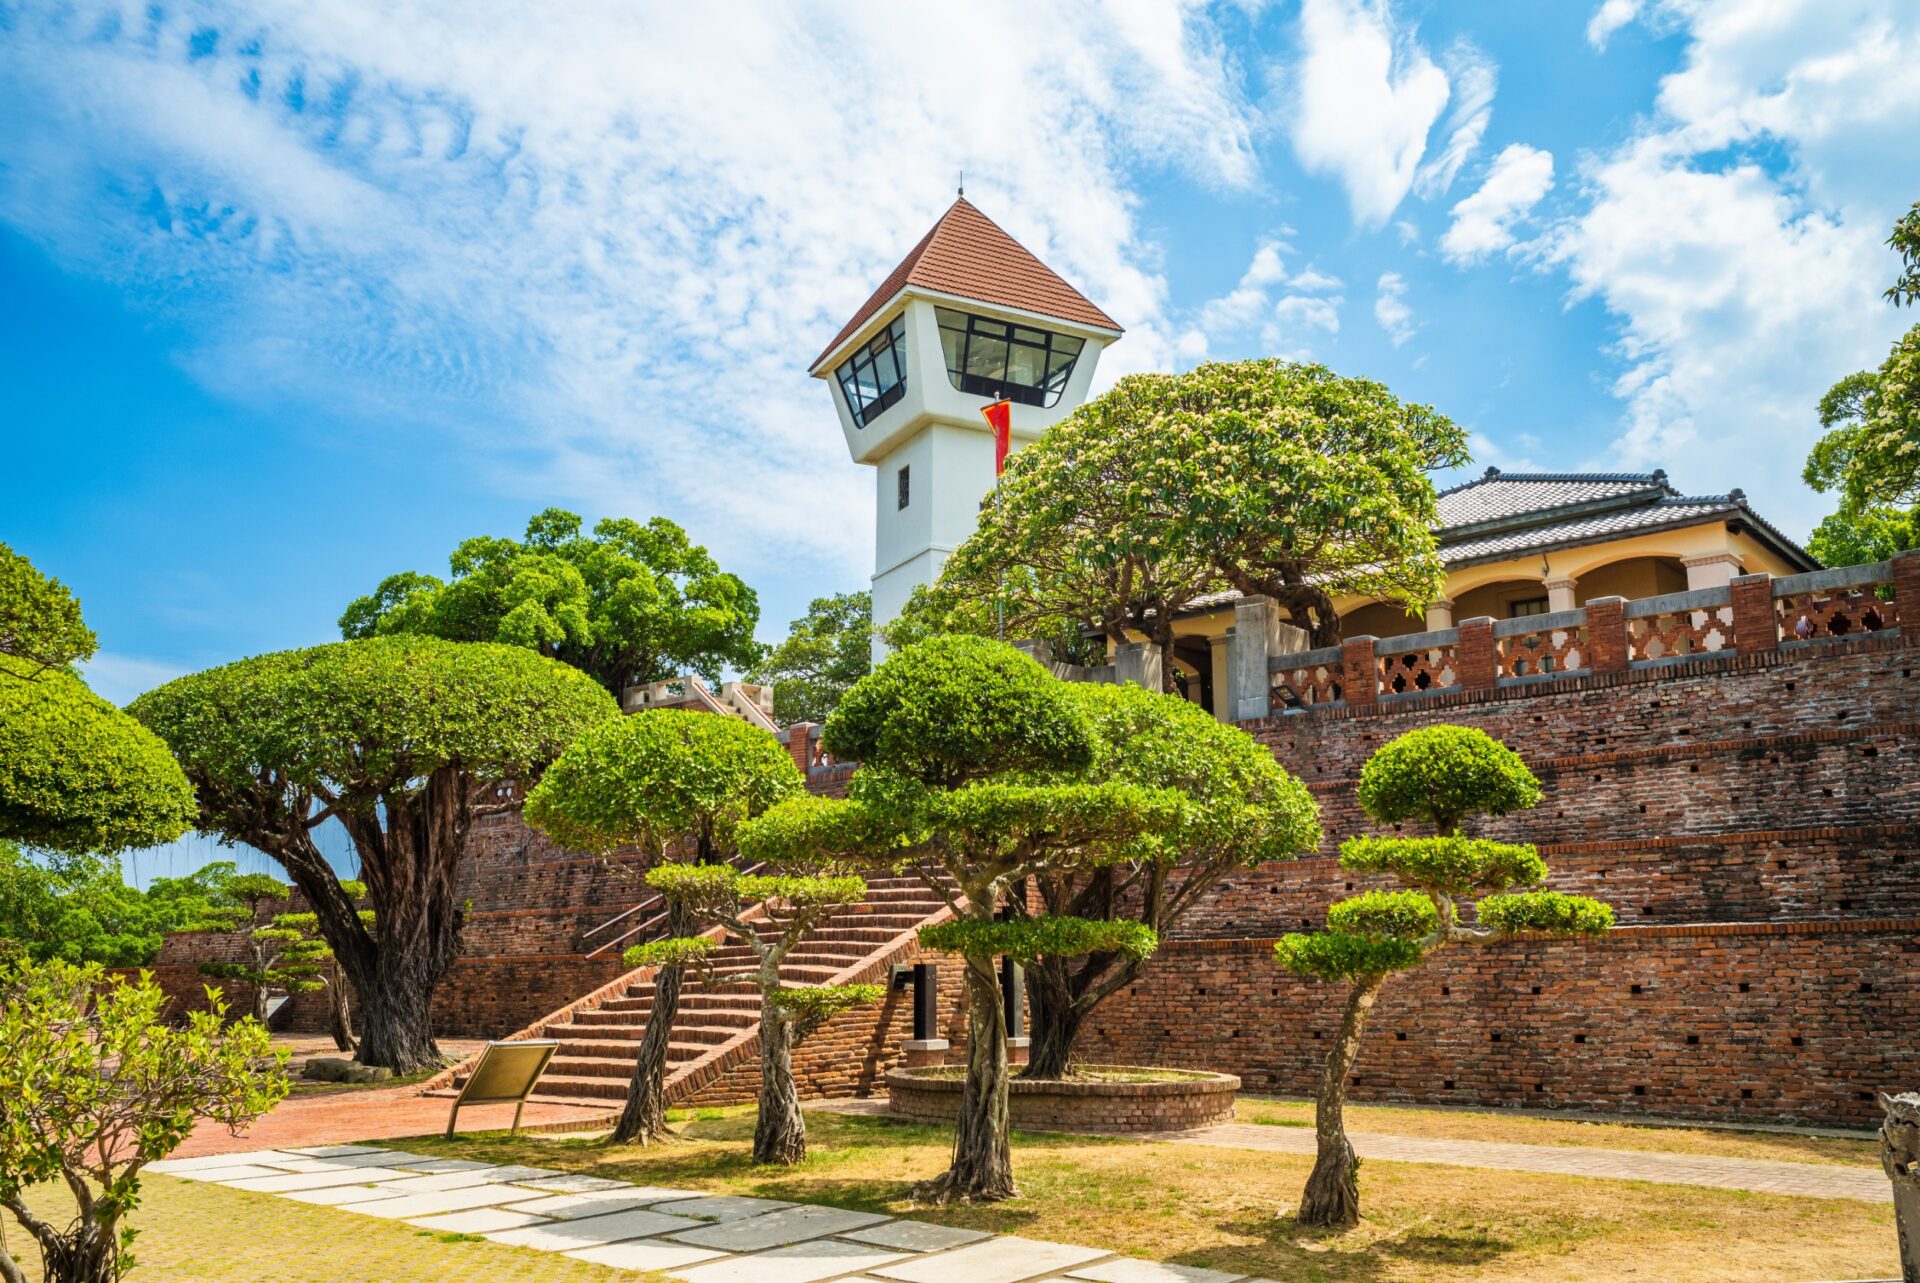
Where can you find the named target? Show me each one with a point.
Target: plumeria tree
(407, 742)
(1441, 776)
(1270, 477)
(770, 914)
(1240, 810)
(94, 1085)
(677, 784)
(955, 737)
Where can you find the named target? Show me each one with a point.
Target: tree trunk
(644, 1117)
(89, 1254)
(339, 1017)
(1900, 1157)
(1053, 1019)
(780, 1134)
(396, 1014)
(1332, 1197)
(982, 1169)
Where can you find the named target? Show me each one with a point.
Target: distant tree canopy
(79, 909)
(629, 603)
(1869, 534)
(827, 650)
(1274, 478)
(1871, 450)
(40, 624)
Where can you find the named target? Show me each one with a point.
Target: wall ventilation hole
(1745, 987)
(1399, 1037)
(1539, 1087)
(1869, 751)
(1826, 792)
(1638, 989)
(1866, 987)
(1866, 1095)
(1536, 988)
(1693, 769)
(1495, 1037)
(1846, 905)
(1693, 1040)
(1746, 1093)
(1448, 1084)
(1639, 1091)
(1798, 1041)
(1444, 991)
(1579, 1037)
(1782, 864)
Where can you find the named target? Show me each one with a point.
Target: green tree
(277, 957)
(1440, 776)
(677, 784)
(827, 650)
(629, 603)
(1273, 478)
(40, 623)
(932, 728)
(94, 1085)
(406, 741)
(792, 904)
(78, 908)
(1870, 452)
(313, 948)
(1240, 810)
(1855, 537)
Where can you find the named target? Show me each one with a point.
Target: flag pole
(999, 417)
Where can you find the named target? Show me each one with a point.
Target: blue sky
(296, 296)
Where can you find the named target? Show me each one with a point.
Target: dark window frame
(905, 484)
(1527, 607)
(869, 400)
(1056, 359)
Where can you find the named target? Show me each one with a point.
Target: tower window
(905, 488)
(875, 377)
(996, 359)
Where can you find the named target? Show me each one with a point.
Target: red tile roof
(966, 254)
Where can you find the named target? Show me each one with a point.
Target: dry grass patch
(1218, 1207)
(1497, 1125)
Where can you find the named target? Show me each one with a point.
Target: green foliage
(659, 776)
(955, 709)
(1024, 939)
(1332, 955)
(1276, 478)
(362, 725)
(95, 1084)
(1403, 915)
(252, 888)
(951, 606)
(816, 1004)
(77, 774)
(1454, 866)
(827, 650)
(1905, 241)
(40, 623)
(1099, 823)
(630, 603)
(809, 830)
(1242, 808)
(1852, 538)
(675, 951)
(79, 909)
(1547, 911)
(12, 955)
(1442, 775)
(801, 892)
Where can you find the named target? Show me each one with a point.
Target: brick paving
(1765, 1176)
(380, 1113)
(680, 1233)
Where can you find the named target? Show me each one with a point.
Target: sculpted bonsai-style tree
(1144, 499)
(407, 741)
(277, 957)
(1241, 810)
(313, 948)
(94, 1085)
(1442, 776)
(956, 738)
(628, 603)
(677, 784)
(770, 914)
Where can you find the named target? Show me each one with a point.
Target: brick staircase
(718, 1027)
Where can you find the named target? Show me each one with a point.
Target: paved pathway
(1812, 1180)
(377, 1113)
(682, 1233)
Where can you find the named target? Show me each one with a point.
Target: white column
(1715, 570)
(1439, 614)
(1560, 594)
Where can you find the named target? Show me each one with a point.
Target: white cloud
(1483, 222)
(1277, 306)
(1366, 95)
(1475, 77)
(1609, 18)
(1390, 307)
(596, 246)
(1737, 239)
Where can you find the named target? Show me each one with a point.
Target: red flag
(999, 417)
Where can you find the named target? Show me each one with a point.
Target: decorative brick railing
(1753, 615)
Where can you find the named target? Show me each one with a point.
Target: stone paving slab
(795, 1263)
(434, 1183)
(342, 1195)
(349, 1163)
(916, 1236)
(207, 1162)
(1131, 1271)
(292, 1182)
(449, 1200)
(481, 1220)
(645, 1255)
(572, 1184)
(565, 1236)
(1763, 1175)
(244, 1171)
(997, 1260)
(573, 1207)
(440, 1166)
(721, 1207)
(778, 1229)
(334, 1151)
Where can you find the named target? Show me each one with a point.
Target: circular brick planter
(1181, 1100)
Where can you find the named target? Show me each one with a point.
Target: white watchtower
(969, 317)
